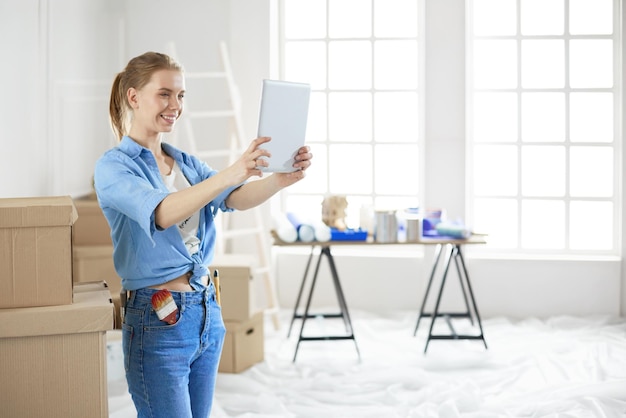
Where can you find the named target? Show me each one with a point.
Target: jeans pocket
(152, 321)
(127, 340)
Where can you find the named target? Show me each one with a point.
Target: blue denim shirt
(129, 188)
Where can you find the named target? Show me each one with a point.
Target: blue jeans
(171, 369)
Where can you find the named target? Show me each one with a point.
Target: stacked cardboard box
(93, 249)
(52, 331)
(36, 251)
(242, 313)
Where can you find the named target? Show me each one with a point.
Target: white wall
(58, 68)
(60, 72)
(23, 110)
(55, 125)
(623, 118)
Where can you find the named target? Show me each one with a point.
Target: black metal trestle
(343, 306)
(453, 252)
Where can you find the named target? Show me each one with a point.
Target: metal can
(386, 226)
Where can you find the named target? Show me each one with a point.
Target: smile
(169, 118)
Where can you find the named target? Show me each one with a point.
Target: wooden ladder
(227, 232)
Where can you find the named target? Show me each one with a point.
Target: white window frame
(467, 211)
(617, 143)
(354, 211)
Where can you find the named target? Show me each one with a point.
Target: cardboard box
(36, 251)
(91, 228)
(94, 263)
(244, 345)
(117, 321)
(53, 359)
(238, 287)
(92, 287)
(114, 294)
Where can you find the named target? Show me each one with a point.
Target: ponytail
(117, 108)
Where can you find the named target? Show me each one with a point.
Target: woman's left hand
(254, 193)
(302, 163)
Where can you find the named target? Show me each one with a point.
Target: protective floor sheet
(558, 367)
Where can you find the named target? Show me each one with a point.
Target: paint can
(386, 226)
(413, 221)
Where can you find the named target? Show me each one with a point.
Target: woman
(160, 203)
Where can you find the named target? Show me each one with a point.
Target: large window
(543, 103)
(543, 124)
(361, 58)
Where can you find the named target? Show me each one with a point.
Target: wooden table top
(474, 239)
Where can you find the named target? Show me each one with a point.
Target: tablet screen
(283, 117)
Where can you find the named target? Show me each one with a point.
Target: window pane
(543, 117)
(591, 117)
(550, 138)
(396, 169)
(543, 63)
(495, 64)
(395, 18)
(499, 219)
(350, 117)
(349, 19)
(596, 235)
(591, 17)
(542, 17)
(306, 62)
(495, 117)
(543, 171)
(305, 19)
(396, 117)
(543, 224)
(591, 171)
(395, 64)
(494, 17)
(495, 170)
(591, 63)
(344, 178)
(350, 65)
(339, 46)
(316, 123)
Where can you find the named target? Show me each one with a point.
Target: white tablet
(283, 116)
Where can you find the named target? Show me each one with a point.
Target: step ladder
(237, 143)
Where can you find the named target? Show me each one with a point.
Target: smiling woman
(159, 104)
(150, 74)
(160, 203)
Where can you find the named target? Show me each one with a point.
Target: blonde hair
(137, 74)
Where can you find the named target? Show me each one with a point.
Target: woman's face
(158, 105)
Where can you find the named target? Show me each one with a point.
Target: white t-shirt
(188, 228)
